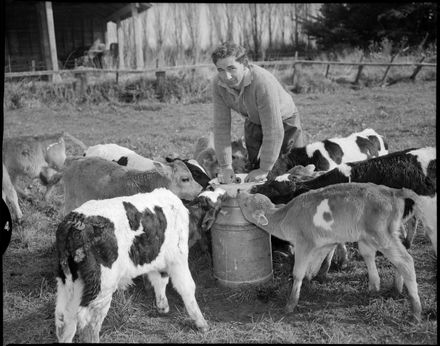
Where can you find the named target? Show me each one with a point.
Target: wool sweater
(264, 101)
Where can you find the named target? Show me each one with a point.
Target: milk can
(241, 252)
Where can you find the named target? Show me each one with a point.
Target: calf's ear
(261, 218)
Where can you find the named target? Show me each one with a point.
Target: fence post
(80, 85)
(382, 83)
(33, 65)
(417, 69)
(294, 67)
(326, 70)
(360, 68)
(160, 84)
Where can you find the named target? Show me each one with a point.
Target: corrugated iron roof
(109, 11)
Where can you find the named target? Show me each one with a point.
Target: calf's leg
(302, 259)
(66, 309)
(404, 263)
(369, 253)
(185, 286)
(10, 195)
(159, 282)
(91, 318)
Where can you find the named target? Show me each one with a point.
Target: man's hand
(226, 175)
(256, 175)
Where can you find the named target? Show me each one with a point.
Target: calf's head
(182, 181)
(204, 209)
(208, 161)
(254, 207)
(56, 154)
(239, 156)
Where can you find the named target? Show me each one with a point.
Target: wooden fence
(81, 73)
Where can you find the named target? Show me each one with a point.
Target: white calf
(314, 222)
(123, 156)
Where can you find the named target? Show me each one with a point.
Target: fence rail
(190, 67)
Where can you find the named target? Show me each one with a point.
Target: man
(272, 123)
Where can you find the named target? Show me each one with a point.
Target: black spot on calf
(376, 143)
(133, 215)
(146, 246)
(123, 161)
(84, 243)
(409, 205)
(44, 179)
(432, 170)
(334, 151)
(327, 216)
(320, 162)
(368, 147)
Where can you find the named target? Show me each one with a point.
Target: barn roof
(108, 11)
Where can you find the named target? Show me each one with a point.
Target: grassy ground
(338, 311)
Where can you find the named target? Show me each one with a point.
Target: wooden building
(41, 35)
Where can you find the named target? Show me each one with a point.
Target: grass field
(337, 311)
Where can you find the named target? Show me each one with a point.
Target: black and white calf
(414, 169)
(123, 156)
(104, 244)
(203, 211)
(197, 171)
(330, 153)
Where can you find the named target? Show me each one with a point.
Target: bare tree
(217, 20)
(145, 45)
(271, 12)
(160, 29)
(177, 33)
(257, 25)
(244, 23)
(230, 12)
(191, 13)
(297, 14)
(282, 22)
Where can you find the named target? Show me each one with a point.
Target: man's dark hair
(227, 49)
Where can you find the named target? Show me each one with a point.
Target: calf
(34, 157)
(198, 172)
(414, 169)
(104, 244)
(328, 154)
(123, 156)
(203, 211)
(87, 178)
(204, 154)
(9, 195)
(314, 222)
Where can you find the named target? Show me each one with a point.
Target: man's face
(230, 71)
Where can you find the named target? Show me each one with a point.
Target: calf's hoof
(416, 317)
(202, 326)
(321, 278)
(289, 308)
(163, 309)
(162, 306)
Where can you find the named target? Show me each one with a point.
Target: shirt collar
(247, 79)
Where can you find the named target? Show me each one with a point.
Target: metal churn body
(241, 252)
